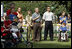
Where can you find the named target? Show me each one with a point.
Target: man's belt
(37, 21)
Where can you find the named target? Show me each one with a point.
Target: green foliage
(56, 6)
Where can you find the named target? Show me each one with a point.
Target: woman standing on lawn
(29, 25)
(20, 19)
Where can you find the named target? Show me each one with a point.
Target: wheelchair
(63, 36)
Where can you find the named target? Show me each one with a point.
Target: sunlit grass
(48, 44)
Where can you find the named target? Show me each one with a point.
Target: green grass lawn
(49, 44)
(52, 44)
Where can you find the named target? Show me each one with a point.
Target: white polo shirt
(48, 16)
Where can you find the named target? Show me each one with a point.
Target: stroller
(6, 37)
(10, 38)
(16, 29)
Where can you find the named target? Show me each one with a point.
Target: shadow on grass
(51, 45)
(48, 44)
(49, 39)
(21, 45)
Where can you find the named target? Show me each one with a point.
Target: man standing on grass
(37, 24)
(48, 17)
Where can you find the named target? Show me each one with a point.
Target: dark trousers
(37, 31)
(48, 27)
(40, 33)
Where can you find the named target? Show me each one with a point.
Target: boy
(63, 31)
(63, 27)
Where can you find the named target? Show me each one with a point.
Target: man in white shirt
(48, 17)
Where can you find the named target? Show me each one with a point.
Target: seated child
(63, 31)
(63, 27)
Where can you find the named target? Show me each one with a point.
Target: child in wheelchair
(63, 36)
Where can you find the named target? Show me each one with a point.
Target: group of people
(34, 23)
(64, 20)
(35, 20)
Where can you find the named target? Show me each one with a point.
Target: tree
(56, 6)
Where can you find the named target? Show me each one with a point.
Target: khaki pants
(29, 31)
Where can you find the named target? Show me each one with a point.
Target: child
(63, 31)
(12, 16)
(12, 6)
(63, 18)
(69, 18)
(63, 27)
(4, 28)
(7, 23)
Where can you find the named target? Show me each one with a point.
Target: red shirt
(2, 29)
(9, 11)
(6, 23)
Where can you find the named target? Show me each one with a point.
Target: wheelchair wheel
(66, 38)
(59, 38)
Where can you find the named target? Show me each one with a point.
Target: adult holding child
(12, 6)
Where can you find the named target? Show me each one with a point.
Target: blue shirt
(12, 17)
(64, 21)
(63, 28)
(36, 15)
